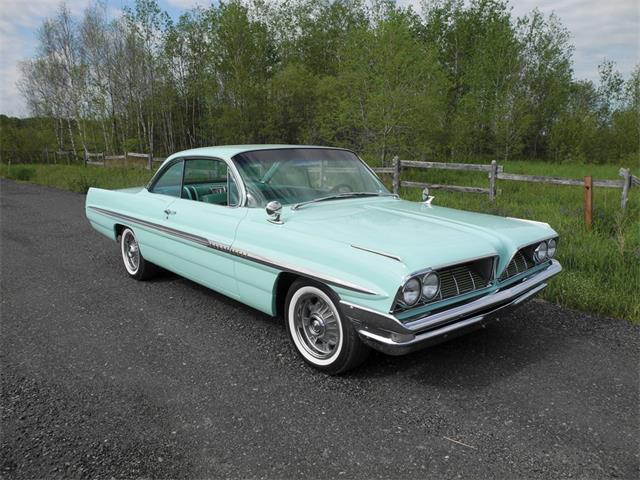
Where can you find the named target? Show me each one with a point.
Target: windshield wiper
(338, 196)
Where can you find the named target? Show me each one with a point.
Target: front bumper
(386, 333)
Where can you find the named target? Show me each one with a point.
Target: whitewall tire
(134, 263)
(322, 336)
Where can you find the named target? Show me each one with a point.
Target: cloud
(19, 23)
(188, 4)
(599, 29)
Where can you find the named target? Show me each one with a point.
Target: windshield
(296, 175)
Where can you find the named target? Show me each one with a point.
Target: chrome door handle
(170, 212)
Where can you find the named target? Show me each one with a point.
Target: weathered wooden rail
(496, 172)
(103, 159)
(492, 170)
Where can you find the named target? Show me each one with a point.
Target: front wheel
(321, 335)
(135, 264)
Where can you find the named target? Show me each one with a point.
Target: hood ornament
(426, 198)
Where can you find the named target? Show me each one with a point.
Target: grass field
(602, 266)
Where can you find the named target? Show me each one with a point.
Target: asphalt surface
(103, 376)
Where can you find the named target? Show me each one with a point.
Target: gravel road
(103, 376)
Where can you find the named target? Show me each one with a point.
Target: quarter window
(170, 181)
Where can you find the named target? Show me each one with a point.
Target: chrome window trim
(230, 168)
(161, 171)
(228, 249)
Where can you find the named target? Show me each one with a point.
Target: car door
(148, 214)
(207, 214)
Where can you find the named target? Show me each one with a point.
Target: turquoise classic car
(310, 234)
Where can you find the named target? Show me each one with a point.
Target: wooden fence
(128, 159)
(496, 172)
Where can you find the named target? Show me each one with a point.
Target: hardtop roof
(228, 151)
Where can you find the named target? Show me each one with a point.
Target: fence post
(493, 176)
(84, 154)
(397, 166)
(150, 161)
(588, 201)
(626, 175)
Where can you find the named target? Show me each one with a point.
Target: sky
(599, 28)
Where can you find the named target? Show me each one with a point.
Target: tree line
(456, 80)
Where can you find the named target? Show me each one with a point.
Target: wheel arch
(283, 282)
(117, 230)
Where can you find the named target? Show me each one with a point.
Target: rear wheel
(134, 263)
(321, 335)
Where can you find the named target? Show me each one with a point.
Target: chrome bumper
(386, 333)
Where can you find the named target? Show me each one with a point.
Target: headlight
(411, 292)
(540, 253)
(430, 285)
(551, 248)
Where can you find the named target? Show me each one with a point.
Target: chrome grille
(518, 264)
(459, 280)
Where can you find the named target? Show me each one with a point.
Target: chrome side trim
(168, 230)
(228, 249)
(378, 252)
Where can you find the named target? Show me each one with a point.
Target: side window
(209, 181)
(170, 181)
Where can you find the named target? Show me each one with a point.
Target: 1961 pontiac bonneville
(312, 235)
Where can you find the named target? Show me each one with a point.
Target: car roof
(228, 151)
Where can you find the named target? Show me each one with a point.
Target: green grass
(77, 178)
(601, 266)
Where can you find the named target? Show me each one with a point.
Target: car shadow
(474, 360)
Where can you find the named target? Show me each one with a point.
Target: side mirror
(274, 209)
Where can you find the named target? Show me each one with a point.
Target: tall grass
(601, 266)
(77, 178)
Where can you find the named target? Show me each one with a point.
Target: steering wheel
(342, 188)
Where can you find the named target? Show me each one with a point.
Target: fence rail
(496, 172)
(71, 157)
(125, 159)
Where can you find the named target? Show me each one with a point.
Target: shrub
(80, 184)
(21, 172)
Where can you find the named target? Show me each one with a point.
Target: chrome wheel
(321, 335)
(130, 252)
(316, 325)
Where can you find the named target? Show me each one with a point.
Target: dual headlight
(426, 287)
(545, 250)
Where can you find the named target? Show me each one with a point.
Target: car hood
(415, 234)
